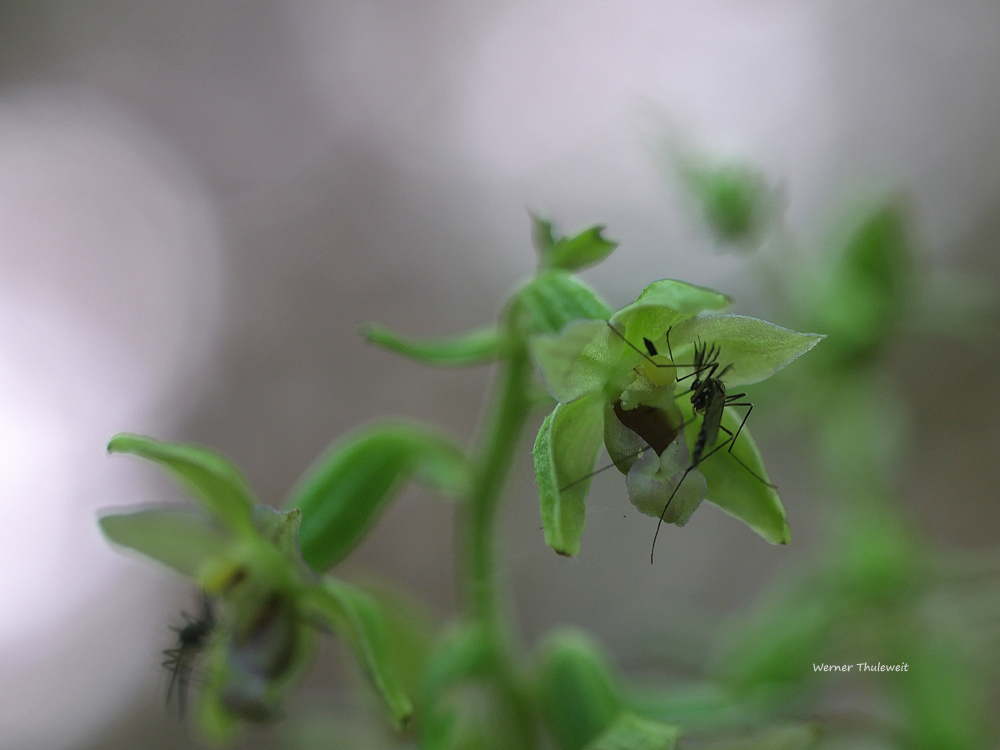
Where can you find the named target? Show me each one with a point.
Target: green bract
(269, 602)
(587, 248)
(620, 381)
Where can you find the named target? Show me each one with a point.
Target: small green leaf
(564, 453)
(632, 732)
(578, 360)
(664, 304)
(181, 538)
(751, 348)
(355, 616)
(211, 477)
(552, 299)
(587, 248)
(542, 235)
(479, 346)
(343, 494)
(569, 253)
(731, 486)
(580, 693)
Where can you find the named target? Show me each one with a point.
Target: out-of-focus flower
(268, 602)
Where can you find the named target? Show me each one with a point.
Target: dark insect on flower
(709, 399)
(180, 660)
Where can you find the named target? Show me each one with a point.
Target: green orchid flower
(269, 598)
(627, 382)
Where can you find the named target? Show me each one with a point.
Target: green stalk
(509, 409)
(501, 436)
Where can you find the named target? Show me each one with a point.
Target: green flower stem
(508, 415)
(511, 405)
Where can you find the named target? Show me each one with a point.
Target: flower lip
(653, 424)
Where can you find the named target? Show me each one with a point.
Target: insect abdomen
(715, 403)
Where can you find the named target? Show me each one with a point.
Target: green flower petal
(211, 477)
(624, 446)
(751, 348)
(564, 453)
(663, 304)
(184, 539)
(550, 300)
(579, 360)
(357, 618)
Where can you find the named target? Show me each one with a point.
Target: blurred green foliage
(874, 589)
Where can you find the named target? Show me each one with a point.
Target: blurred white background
(199, 202)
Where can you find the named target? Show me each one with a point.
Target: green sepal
(411, 630)
(348, 488)
(355, 616)
(565, 451)
(730, 485)
(633, 732)
(578, 360)
(479, 346)
(184, 539)
(664, 304)
(587, 248)
(579, 690)
(550, 300)
(751, 349)
(209, 476)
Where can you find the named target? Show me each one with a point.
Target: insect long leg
(687, 471)
(732, 441)
(728, 444)
(664, 513)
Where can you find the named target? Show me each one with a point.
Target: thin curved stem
(509, 409)
(501, 435)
